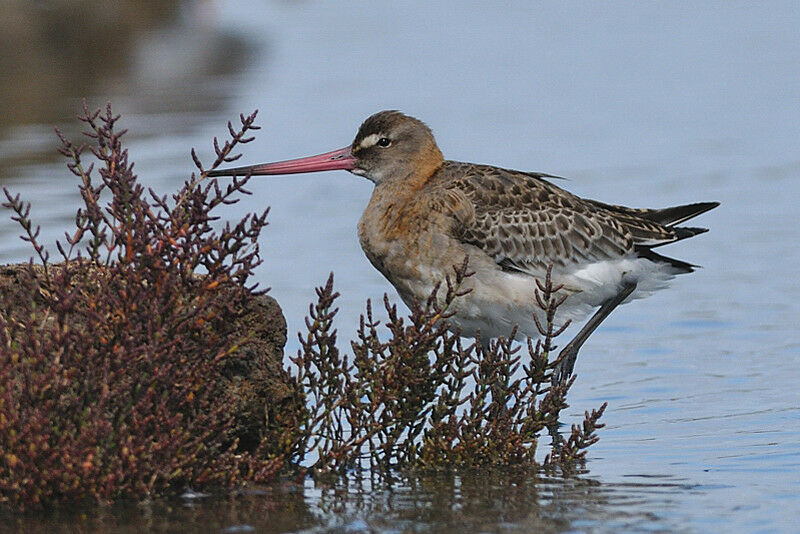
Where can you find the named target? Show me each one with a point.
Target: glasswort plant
(121, 365)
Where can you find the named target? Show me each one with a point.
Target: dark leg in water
(569, 354)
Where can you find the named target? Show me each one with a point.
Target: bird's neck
(418, 172)
(426, 165)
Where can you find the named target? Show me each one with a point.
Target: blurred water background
(645, 104)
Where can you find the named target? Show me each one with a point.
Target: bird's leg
(483, 343)
(569, 354)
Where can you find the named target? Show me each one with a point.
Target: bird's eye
(384, 142)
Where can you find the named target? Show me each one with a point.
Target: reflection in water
(76, 48)
(65, 47)
(147, 57)
(484, 500)
(472, 501)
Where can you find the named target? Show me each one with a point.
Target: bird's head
(388, 146)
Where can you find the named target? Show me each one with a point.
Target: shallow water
(479, 501)
(646, 105)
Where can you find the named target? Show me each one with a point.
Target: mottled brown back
(525, 222)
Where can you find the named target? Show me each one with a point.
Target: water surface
(638, 104)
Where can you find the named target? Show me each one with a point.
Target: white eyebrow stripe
(369, 141)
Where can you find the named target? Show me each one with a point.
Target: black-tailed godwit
(427, 214)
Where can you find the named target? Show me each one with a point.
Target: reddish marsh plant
(420, 399)
(111, 361)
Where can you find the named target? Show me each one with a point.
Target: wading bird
(427, 214)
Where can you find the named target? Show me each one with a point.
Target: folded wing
(526, 223)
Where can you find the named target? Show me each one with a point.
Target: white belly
(501, 299)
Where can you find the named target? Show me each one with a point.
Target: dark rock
(259, 385)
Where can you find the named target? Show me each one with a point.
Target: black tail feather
(685, 232)
(681, 266)
(678, 214)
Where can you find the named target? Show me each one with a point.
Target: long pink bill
(338, 159)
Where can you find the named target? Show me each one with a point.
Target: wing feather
(525, 223)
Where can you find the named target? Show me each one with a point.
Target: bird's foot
(566, 364)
